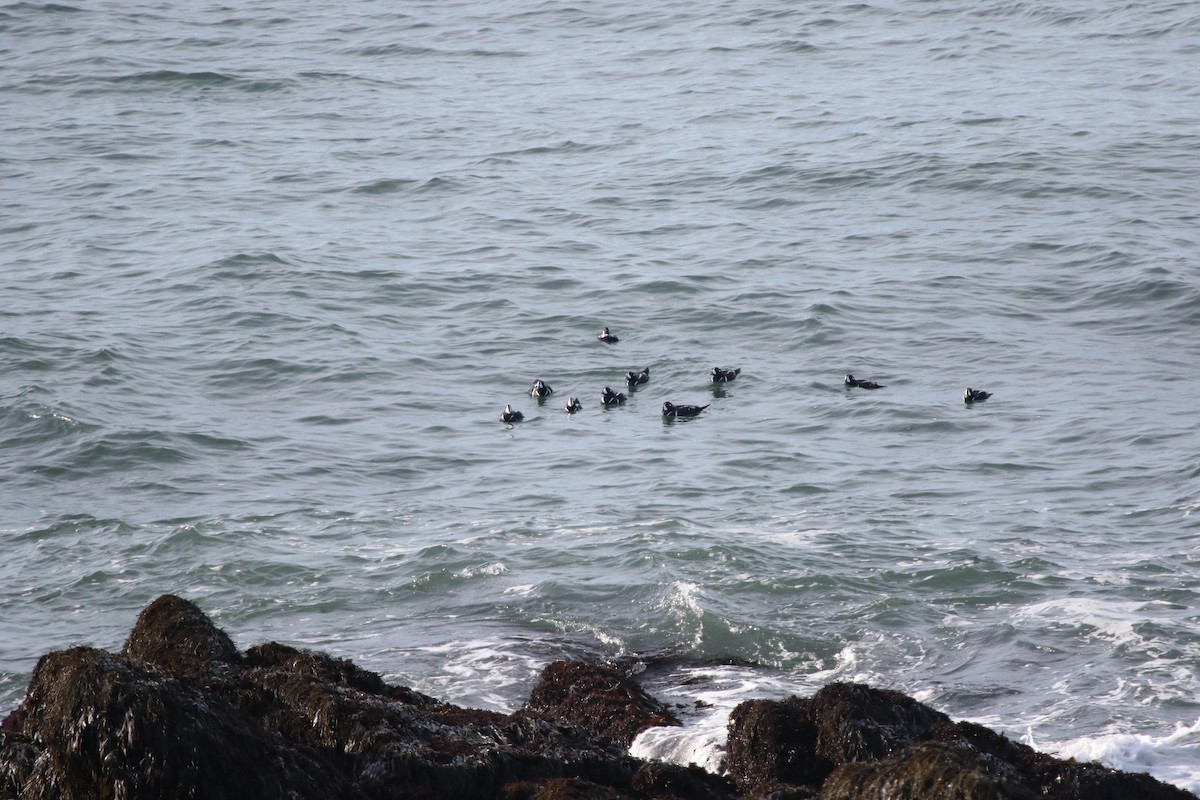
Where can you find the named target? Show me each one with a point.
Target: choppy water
(269, 274)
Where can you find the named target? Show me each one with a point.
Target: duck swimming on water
(672, 410)
(719, 375)
(975, 395)
(852, 381)
(508, 416)
(611, 398)
(605, 336)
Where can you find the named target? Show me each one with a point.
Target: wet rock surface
(181, 713)
(597, 698)
(854, 742)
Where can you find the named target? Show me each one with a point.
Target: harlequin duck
(611, 398)
(672, 410)
(852, 381)
(975, 395)
(719, 375)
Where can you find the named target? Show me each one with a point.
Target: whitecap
(1173, 758)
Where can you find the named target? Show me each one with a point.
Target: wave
(1172, 757)
(49, 8)
(196, 80)
(408, 186)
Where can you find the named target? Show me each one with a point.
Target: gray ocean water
(269, 272)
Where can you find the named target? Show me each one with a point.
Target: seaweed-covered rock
(798, 741)
(397, 743)
(18, 755)
(1048, 777)
(774, 742)
(330, 671)
(856, 722)
(598, 698)
(109, 728)
(181, 713)
(925, 771)
(658, 779)
(853, 742)
(560, 789)
(176, 637)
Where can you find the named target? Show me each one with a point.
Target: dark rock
(787, 793)
(598, 699)
(560, 789)
(397, 743)
(408, 755)
(1074, 781)
(329, 670)
(18, 755)
(111, 729)
(175, 636)
(886, 745)
(183, 714)
(858, 723)
(1012, 763)
(774, 742)
(925, 771)
(798, 741)
(1050, 777)
(658, 779)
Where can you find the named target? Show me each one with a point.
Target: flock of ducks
(540, 390)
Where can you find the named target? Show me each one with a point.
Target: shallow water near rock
(270, 275)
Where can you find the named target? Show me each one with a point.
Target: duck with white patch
(672, 410)
(975, 395)
(719, 375)
(611, 398)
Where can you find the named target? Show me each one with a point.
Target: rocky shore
(180, 712)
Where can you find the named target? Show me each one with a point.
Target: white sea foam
(707, 696)
(494, 568)
(700, 742)
(795, 537)
(682, 595)
(488, 674)
(1173, 757)
(1113, 619)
